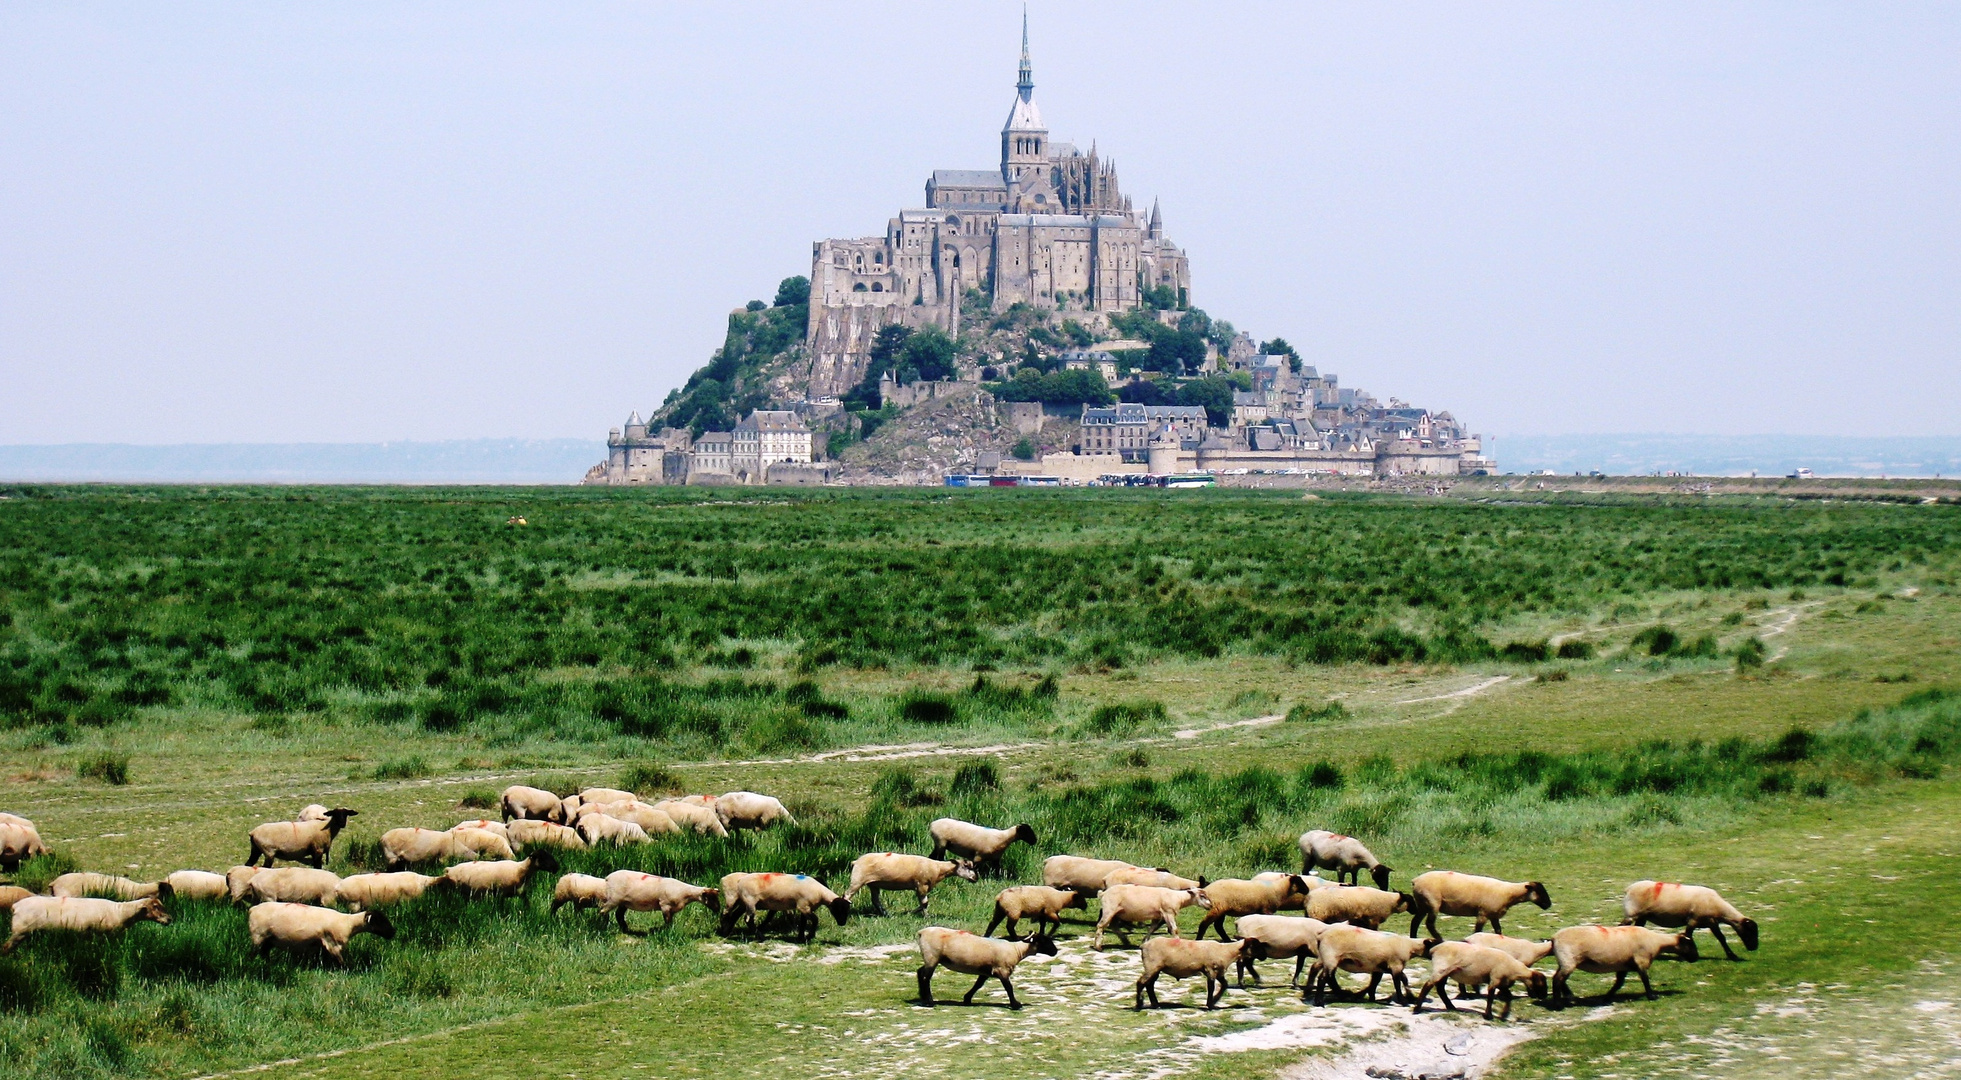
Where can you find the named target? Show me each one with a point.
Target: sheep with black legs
(403, 848)
(886, 871)
(1085, 876)
(1280, 936)
(1358, 905)
(307, 842)
(359, 892)
(1689, 906)
(300, 927)
(748, 810)
(983, 845)
(198, 885)
(1235, 898)
(83, 914)
(972, 954)
(631, 890)
(504, 877)
(19, 843)
(578, 890)
(531, 832)
(1124, 905)
(687, 815)
(1153, 876)
(1037, 902)
(1345, 855)
(1366, 952)
(1447, 892)
(1613, 950)
(798, 895)
(1475, 966)
(531, 804)
(108, 886)
(597, 829)
(1179, 958)
(294, 885)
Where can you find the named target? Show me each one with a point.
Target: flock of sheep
(1337, 930)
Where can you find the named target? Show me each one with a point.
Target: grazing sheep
(238, 877)
(306, 842)
(19, 843)
(1038, 902)
(531, 804)
(748, 810)
(311, 812)
(11, 894)
(1692, 906)
(578, 890)
(1309, 881)
(701, 819)
(1355, 904)
(402, 848)
(502, 878)
(1368, 952)
(880, 871)
(631, 890)
(1145, 875)
(1075, 872)
(1281, 936)
(567, 807)
(1345, 855)
(801, 896)
(1126, 904)
(1235, 897)
(533, 832)
(298, 926)
(971, 954)
(494, 828)
(652, 821)
(1179, 958)
(16, 820)
(977, 842)
(359, 892)
(294, 885)
(1447, 892)
(87, 915)
(1474, 966)
(605, 794)
(1613, 950)
(107, 886)
(198, 885)
(600, 829)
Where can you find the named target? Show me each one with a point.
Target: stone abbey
(1050, 227)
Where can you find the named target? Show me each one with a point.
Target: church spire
(1026, 84)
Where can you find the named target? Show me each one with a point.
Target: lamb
(198, 885)
(1355, 904)
(883, 870)
(1075, 872)
(361, 892)
(1179, 958)
(298, 841)
(1447, 892)
(1280, 936)
(748, 810)
(1039, 902)
(495, 828)
(11, 895)
(1234, 897)
(531, 804)
(238, 877)
(1614, 950)
(294, 885)
(1474, 966)
(1691, 906)
(1124, 904)
(1343, 854)
(87, 915)
(1369, 952)
(801, 896)
(19, 843)
(971, 954)
(694, 816)
(1145, 875)
(631, 890)
(502, 878)
(402, 848)
(297, 926)
(578, 890)
(603, 829)
(533, 832)
(977, 842)
(108, 886)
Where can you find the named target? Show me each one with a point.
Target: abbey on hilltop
(1049, 227)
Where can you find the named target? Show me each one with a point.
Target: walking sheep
(1037, 902)
(631, 890)
(1127, 904)
(1085, 876)
(238, 877)
(1179, 958)
(1235, 897)
(530, 803)
(300, 927)
(501, 878)
(1447, 892)
(402, 848)
(702, 819)
(881, 871)
(652, 820)
(983, 845)
(599, 829)
(1355, 904)
(971, 954)
(1367, 952)
(294, 885)
(363, 891)
(747, 810)
(743, 895)
(198, 885)
(1146, 875)
(1613, 950)
(1343, 854)
(532, 832)
(1690, 906)
(605, 794)
(306, 842)
(1474, 966)
(33, 914)
(1281, 936)
(108, 887)
(1310, 882)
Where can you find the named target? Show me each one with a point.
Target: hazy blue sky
(349, 222)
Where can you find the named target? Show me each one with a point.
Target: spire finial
(1026, 84)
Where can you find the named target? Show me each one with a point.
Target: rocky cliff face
(926, 442)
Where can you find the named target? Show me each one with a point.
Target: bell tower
(1024, 141)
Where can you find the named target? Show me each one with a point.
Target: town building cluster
(767, 446)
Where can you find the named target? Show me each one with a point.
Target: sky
(364, 222)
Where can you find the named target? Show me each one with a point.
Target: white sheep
(600, 829)
(605, 794)
(1519, 949)
(495, 828)
(363, 891)
(530, 803)
(198, 885)
(87, 915)
(1179, 958)
(743, 895)
(108, 887)
(631, 890)
(652, 821)
(881, 871)
(1037, 902)
(1355, 904)
(578, 890)
(1085, 876)
(971, 954)
(1368, 952)
(534, 832)
(238, 877)
(307, 842)
(1235, 898)
(19, 843)
(300, 927)
(977, 842)
(402, 848)
(16, 820)
(748, 810)
(1146, 875)
(688, 815)
(1474, 966)
(311, 812)
(1691, 906)
(502, 878)
(11, 895)
(1613, 950)
(1310, 882)
(1281, 936)
(1347, 856)
(1127, 904)
(294, 885)
(1447, 892)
